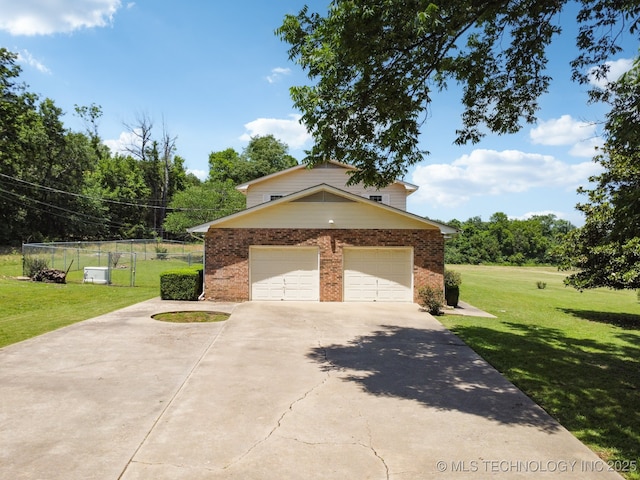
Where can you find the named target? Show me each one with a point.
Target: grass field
(29, 308)
(576, 354)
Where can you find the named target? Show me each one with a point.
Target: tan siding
(305, 178)
(302, 215)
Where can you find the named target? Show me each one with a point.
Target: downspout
(204, 270)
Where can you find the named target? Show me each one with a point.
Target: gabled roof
(410, 188)
(444, 229)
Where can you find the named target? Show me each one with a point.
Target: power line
(106, 200)
(64, 192)
(99, 221)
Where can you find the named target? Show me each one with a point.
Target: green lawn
(29, 308)
(576, 354)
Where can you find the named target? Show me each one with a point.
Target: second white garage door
(284, 273)
(378, 274)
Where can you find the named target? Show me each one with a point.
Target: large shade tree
(606, 250)
(375, 65)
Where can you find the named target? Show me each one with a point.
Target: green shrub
(181, 284)
(161, 253)
(34, 265)
(452, 278)
(517, 259)
(541, 285)
(431, 299)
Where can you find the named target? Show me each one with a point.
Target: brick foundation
(227, 256)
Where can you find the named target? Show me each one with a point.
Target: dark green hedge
(181, 284)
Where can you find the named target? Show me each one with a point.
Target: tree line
(62, 185)
(502, 240)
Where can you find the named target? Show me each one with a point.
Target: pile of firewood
(50, 275)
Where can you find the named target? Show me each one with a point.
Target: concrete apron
(281, 390)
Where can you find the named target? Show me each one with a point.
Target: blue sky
(215, 74)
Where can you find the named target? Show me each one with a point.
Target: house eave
(244, 187)
(444, 229)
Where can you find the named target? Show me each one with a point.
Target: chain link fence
(115, 262)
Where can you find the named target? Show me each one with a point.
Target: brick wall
(227, 256)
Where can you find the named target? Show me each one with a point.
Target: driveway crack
(373, 450)
(368, 447)
(278, 423)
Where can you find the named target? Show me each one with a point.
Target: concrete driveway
(280, 390)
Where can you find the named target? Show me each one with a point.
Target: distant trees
(121, 185)
(203, 203)
(42, 165)
(262, 156)
(57, 184)
(218, 196)
(502, 240)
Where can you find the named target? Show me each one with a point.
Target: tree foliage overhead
(606, 250)
(375, 65)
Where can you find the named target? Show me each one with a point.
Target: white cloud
(289, 131)
(123, 142)
(616, 69)
(490, 172)
(587, 148)
(566, 130)
(277, 73)
(46, 17)
(25, 57)
(562, 131)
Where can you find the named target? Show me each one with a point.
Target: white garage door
(378, 274)
(284, 273)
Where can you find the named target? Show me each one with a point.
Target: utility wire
(117, 202)
(22, 200)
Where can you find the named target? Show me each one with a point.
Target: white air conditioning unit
(99, 275)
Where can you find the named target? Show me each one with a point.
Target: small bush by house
(431, 299)
(181, 284)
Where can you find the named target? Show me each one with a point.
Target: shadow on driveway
(434, 368)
